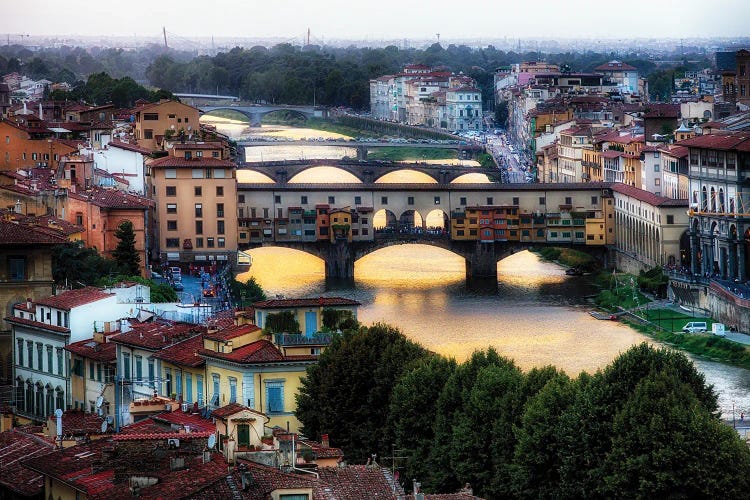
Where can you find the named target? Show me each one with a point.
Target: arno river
(537, 316)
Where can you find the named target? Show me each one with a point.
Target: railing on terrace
(299, 339)
(412, 234)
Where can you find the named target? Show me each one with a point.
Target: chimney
(324, 441)
(28, 303)
(18, 207)
(41, 112)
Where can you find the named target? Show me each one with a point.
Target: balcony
(296, 339)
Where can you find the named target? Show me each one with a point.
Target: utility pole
(164, 31)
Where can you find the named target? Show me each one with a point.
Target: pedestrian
(742, 416)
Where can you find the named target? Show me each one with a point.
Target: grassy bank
(411, 154)
(705, 345)
(567, 257)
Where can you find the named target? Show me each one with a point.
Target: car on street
(177, 286)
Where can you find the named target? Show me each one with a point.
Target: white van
(695, 327)
(718, 329)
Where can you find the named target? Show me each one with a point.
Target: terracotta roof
(612, 153)
(74, 298)
(661, 111)
(184, 353)
(14, 233)
(357, 481)
(80, 423)
(113, 199)
(646, 197)
(310, 302)
(36, 324)
(104, 352)
(150, 436)
(232, 332)
(197, 145)
(739, 141)
(195, 162)
(195, 421)
(15, 446)
(129, 147)
(265, 480)
(70, 465)
(261, 351)
(159, 334)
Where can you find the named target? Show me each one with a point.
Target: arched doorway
(685, 252)
(384, 221)
(410, 222)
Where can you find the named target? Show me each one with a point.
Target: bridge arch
(471, 178)
(338, 175)
(437, 218)
(384, 220)
(410, 220)
(397, 175)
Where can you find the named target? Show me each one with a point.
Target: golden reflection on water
(328, 175)
(406, 176)
(421, 290)
(473, 178)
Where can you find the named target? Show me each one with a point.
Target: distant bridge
(256, 112)
(366, 171)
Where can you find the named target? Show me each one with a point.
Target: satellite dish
(104, 426)
(212, 441)
(99, 401)
(58, 413)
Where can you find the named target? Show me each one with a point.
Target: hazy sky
(381, 19)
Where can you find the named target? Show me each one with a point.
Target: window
(542, 200)
(220, 242)
(462, 201)
(98, 372)
(232, 390)
(275, 396)
(50, 364)
(594, 200)
(151, 372)
(656, 167)
(215, 393)
(138, 367)
(199, 209)
(331, 200)
(60, 365)
(357, 200)
(91, 370)
(219, 210)
(199, 389)
(515, 201)
(198, 190)
(173, 242)
(126, 365)
(219, 190)
(188, 387)
(199, 242)
(30, 353)
(220, 227)
(199, 227)
(210, 242)
(410, 200)
(384, 200)
(277, 198)
(197, 172)
(170, 173)
(657, 182)
(168, 383)
(151, 116)
(171, 208)
(171, 190)
(148, 133)
(490, 200)
(437, 200)
(17, 268)
(670, 219)
(303, 200)
(568, 200)
(171, 225)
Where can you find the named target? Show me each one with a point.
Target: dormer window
(188, 155)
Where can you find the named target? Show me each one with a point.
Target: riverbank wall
(720, 304)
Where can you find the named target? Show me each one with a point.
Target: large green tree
(125, 254)
(347, 394)
(77, 266)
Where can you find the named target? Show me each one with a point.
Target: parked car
(177, 286)
(695, 327)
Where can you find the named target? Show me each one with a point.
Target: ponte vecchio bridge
(292, 215)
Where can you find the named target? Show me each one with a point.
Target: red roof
(646, 197)
(261, 351)
(104, 352)
(194, 421)
(14, 233)
(80, 423)
(739, 141)
(612, 153)
(16, 445)
(113, 199)
(232, 332)
(195, 162)
(129, 147)
(36, 324)
(74, 298)
(309, 302)
(197, 145)
(159, 334)
(184, 353)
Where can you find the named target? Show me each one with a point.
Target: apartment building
(157, 123)
(195, 189)
(622, 74)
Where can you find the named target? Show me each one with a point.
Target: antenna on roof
(58, 415)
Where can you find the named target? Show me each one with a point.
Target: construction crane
(21, 35)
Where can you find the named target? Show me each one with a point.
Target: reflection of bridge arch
(299, 177)
(256, 113)
(391, 177)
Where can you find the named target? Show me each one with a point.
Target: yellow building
(259, 376)
(240, 429)
(157, 122)
(195, 189)
(93, 366)
(308, 312)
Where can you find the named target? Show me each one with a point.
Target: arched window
(721, 200)
(29, 400)
(704, 200)
(731, 205)
(713, 199)
(50, 399)
(39, 403)
(59, 398)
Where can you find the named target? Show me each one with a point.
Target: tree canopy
(125, 254)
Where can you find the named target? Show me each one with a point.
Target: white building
(463, 107)
(126, 161)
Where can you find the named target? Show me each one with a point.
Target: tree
(347, 394)
(77, 266)
(281, 322)
(125, 254)
(246, 293)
